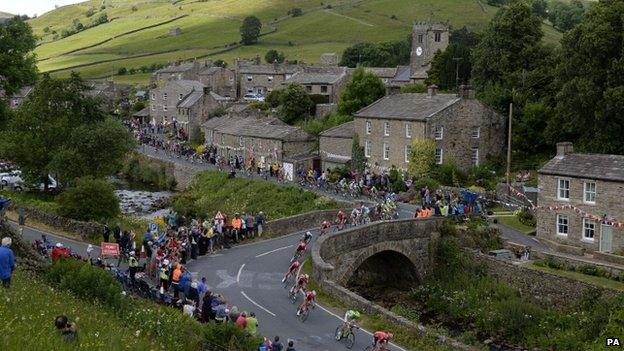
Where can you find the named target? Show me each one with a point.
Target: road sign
(110, 249)
(219, 216)
(153, 227)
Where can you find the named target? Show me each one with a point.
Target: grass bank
(513, 222)
(213, 191)
(591, 279)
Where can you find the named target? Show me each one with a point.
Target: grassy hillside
(137, 34)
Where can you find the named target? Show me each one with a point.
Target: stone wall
(25, 256)
(541, 287)
(323, 110)
(298, 223)
(86, 230)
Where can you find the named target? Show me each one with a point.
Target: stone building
(252, 134)
(335, 145)
(327, 82)
(329, 59)
(465, 130)
(17, 99)
(220, 80)
(580, 198)
(174, 32)
(178, 70)
(111, 95)
(254, 77)
(186, 102)
(427, 39)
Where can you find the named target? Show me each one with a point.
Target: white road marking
(272, 251)
(240, 270)
(257, 304)
(362, 329)
(226, 279)
(537, 241)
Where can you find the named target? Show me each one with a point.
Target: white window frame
(560, 188)
(249, 78)
(270, 78)
(250, 91)
(367, 148)
(476, 133)
(474, 156)
(153, 96)
(369, 127)
(165, 96)
(558, 219)
(587, 193)
(386, 128)
(438, 133)
(180, 97)
(588, 224)
(408, 130)
(386, 151)
(406, 153)
(439, 158)
(240, 141)
(164, 107)
(153, 108)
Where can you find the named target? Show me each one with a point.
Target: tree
(59, 130)
(250, 30)
(295, 12)
(294, 103)
(17, 61)
(590, 82)
(386, 54)
(122, 71)
(363, 89)
(453, 66)
(539, 8)
(565, 16)
(422, 158)
(273, 56)
(414, 88)
(220, 63)
(358, 158)
(89, 200)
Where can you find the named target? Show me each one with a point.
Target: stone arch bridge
(387, 251)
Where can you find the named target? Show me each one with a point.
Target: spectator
(277, 345)
(259, 223)
(189, 308)
(233, 314)
(291, 345)
(59, 251)
(175, 280)
(117, 233)
(241, 321)
(68, 330)
(193, 294)
(106, 233)
(251, 324)
(7, 262)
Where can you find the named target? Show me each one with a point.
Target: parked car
(253, 98)
(14, 180)
(10, 177)
(502, 254)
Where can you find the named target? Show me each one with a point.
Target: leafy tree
(220, 63)
(294, 103)
(363, 89)
(273, 98)
(565, 16)
(422, 158)
(250, 30)
(539, 8)
(386, 54)
(122, 71)
(358, 158)
(454, 62)
(590, 82)
(89, 200)
(295, 12)
(274, 56)
(72, 137)
(17, 61)
(414, 88)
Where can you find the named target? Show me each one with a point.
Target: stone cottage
(580, 200)
(465, 130)
(220, 80)
(335, 145)
(327, 82)
(178, 70)
(256, 78)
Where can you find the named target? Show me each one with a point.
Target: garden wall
(86, 230)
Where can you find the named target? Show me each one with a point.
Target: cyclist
(306, 237)
(355, 217)
(381, 338)
(301, 248)
(342, 219)
(291, 270)
(301, 284)
(308, 302)
(349, 320)
(324, 226)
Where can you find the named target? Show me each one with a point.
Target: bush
(448, 174)
(295, 12)
(90, 199)
(432, 184)
(151, 173)
(526, 217)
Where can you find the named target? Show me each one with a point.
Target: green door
(606, 238)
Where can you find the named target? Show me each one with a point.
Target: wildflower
(137, 333)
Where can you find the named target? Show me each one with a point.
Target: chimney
(432, 90)
(207, 90)
(466, 92)
(564, 148)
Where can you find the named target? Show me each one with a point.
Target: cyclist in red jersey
(301, 284)
(342, 219)
(381, 338)
(308, 302)
(291, 270)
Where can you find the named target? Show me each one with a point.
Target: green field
(137, 34)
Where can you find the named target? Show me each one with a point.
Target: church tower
(427, 39)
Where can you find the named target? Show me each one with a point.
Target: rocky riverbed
(142, 203)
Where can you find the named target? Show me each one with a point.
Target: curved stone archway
(387, 268)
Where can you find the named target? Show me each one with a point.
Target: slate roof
(593, 166)
(189, 84)
(315, 78)
(382, 72)
(247, 68)
(23, 92)
(412, 106)
(210, 70)
(142, 113)
(345, 130)
(182, 67)
(191, 99)
(258, 127)
(403, 74)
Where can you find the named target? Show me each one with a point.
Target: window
(476, 132)
(164, 96)
(406, 153)
(164, 107)
(437, 36)
(249, 78)
(287, 76)
(323, 88)
(420, 38)
(367, 148)
(180, 97)
(386, 151)
(309, 88)
(562, 224)
(474, 156)
(563, 189)
(439, 156)
(387, 128)
(270, 78)
(240, 141)
(250, 91)
(153, 108)
(153, 96)
(222, 139)
(408, 130)
(589, 192)
(439, 133)
(589, 229)
(369, 127)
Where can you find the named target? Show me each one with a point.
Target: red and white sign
(110, 249)
(220, 216)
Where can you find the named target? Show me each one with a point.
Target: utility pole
(457, 59)
(509, 148)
